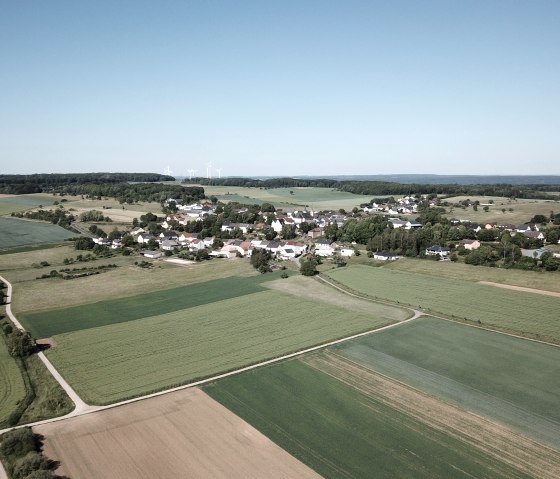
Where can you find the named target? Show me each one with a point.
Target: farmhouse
(470, 244)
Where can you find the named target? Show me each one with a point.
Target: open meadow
(508, 380)
(344, 422)
(16, 203)
(182, 434)
(522, 210)
(519, 312)
(111, 363)
(289, 198)
(18, 232)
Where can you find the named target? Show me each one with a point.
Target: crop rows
(129, 359)
(511, 310)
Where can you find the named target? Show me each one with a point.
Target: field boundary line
(523, 289)
(438, 315)
(83, 408)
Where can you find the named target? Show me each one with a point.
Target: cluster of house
(530, 230)
(170, 240)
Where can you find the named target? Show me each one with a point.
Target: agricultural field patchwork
(524, 313)
(103, 313)
(548, 281)
(342, 423)
(182, 434)
(290, 198)
(505, 379)
(17, 232)
(116, 362)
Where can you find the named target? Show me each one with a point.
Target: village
(327, 234)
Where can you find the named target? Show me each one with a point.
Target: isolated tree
(287, 232)
(308, 267)
(260, 260)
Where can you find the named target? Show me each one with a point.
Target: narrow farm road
(83, 408)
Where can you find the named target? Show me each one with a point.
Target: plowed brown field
(182, 434)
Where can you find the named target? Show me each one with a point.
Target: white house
(383, 256)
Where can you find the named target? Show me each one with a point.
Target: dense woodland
(43, 182)
(381, 188)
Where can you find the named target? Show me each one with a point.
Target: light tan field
(310, 288)
(494, 439)
(127, 280)
(549, 280)
(523, 210)
(182, 434)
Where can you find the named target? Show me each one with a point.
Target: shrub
(17, 443)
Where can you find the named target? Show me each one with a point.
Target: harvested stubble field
(344, 422)
(508, 380)
(523, 313)
(116, 362)
(18, 232)
(549, 281)
(182, 434)
(103, 313)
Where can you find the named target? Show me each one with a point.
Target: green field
(103, 313)
(12, 387)
(16, 204)
(17, 232)
(290, 198)
(115, 362)
(520, 312)
(513, 381)
(342, 433)
(447, 269)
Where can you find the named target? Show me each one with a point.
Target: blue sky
(280, 88)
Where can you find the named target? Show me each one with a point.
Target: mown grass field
(548, 280)
(524, 313)
(16, 232)
(120, 361)
(342, 432)
(316, 198)
(12, 387)
(15, 204)
(103, 313)
(509, 380)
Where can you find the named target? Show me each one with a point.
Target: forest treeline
(41, 182)
(382, 188)
(124, 187)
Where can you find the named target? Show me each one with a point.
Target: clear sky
(280, 87)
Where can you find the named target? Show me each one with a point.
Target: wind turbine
(167, 171)
(219, 170)
(209, 170)
(191, 173)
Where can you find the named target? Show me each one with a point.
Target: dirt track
(183, 434)
(522, 288)
(494, 439)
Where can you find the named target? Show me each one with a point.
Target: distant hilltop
(448, 179)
